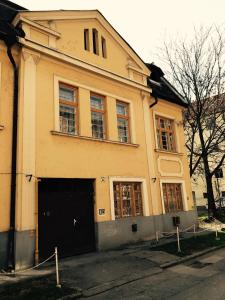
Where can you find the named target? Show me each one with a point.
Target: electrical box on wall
(134, 227)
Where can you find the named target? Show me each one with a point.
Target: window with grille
(68, 105)
(122, 110)
(98, 116)
(165, 134)
(172, 197)
(127, 199)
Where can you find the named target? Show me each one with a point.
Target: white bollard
(57, 268)
(217, 238)
(178, 240)
(157, 236)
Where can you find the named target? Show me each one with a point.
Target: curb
(189, 257)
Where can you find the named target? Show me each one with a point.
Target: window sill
(53, 132)
(1, 127)
(168, 152)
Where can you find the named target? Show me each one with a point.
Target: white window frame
(183, 192)
(144, 193)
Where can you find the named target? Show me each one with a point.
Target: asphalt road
(202, 278)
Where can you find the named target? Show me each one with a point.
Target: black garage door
(66, 216)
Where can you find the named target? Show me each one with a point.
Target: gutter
(9, 35)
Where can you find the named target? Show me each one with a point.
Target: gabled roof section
(162, 88)
(54, 15)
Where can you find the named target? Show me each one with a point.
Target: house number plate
(101, 211)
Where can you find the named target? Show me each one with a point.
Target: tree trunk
(211, 202)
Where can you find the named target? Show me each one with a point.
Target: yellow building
(101, 159)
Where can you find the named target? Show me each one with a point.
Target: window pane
(162, 123)
(164, 140)
(121, 109)
(97, 102)
(97, 125)
(138, 199)
(117, 201)
(126, 201)
(66, 94)
(123, 130)
(67, 119)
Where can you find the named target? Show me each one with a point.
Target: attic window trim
(95, 41)
(86, 40)
(104, 49)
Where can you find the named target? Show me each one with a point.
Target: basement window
(86, 40)
(95, 41)
(104, 54)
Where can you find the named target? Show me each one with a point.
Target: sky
(145, 24)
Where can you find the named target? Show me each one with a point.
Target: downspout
(154, 103)
(11, 241)
(9, 35)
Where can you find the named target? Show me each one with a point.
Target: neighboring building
(200, 192)
(215, 120)
(101, 158)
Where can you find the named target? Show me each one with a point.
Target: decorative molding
(174, 159)
(169, 152)
(40, 27)
(129, 179)
(2, 127)
(183, 190)
(90, 88)
(79, 63)
(54, 132)
(27, 54)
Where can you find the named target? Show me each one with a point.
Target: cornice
(79, 63)
(47, 30)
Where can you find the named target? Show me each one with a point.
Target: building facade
(101, 158)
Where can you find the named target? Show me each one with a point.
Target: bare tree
(198, 71)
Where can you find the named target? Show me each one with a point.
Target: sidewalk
(94, 273)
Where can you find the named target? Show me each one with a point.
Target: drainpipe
(154, 103)
(9, 35)
(11, 241)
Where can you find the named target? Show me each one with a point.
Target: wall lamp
(153, 179)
